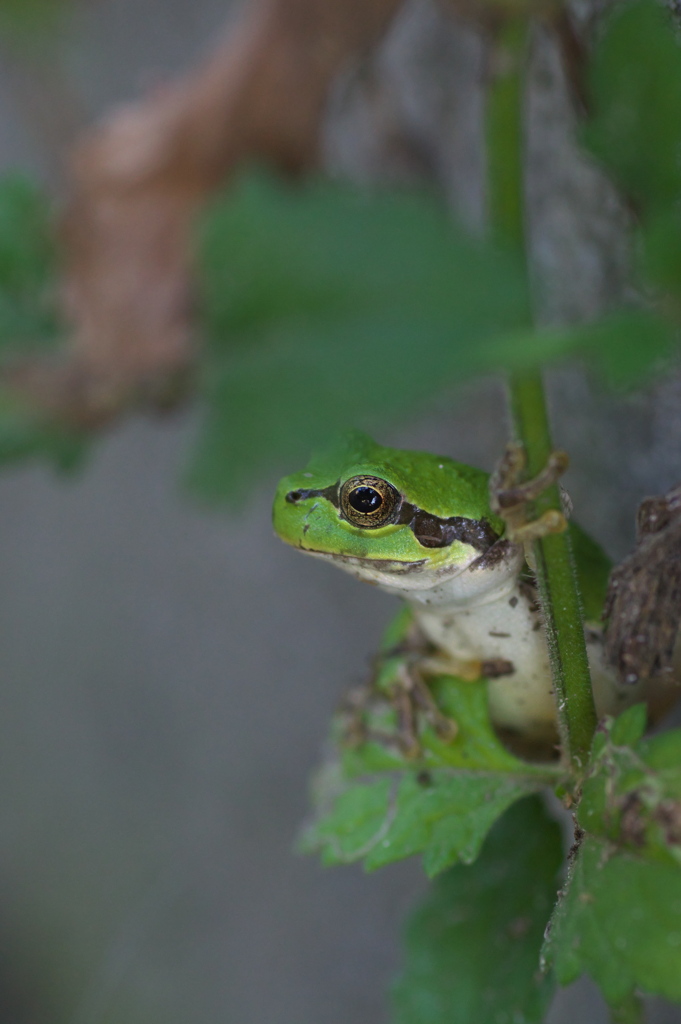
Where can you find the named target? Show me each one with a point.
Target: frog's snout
(302, 494)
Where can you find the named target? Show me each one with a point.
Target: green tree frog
(421, 527)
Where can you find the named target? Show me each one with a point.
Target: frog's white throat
(470, 583)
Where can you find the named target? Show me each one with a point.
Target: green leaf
(444, 815)
(475, 746)
(635, 75)
(632, 791)
(623, 347)
(628, 728)
(325, 307)
(620, 922)
(28, 316)
(473, 947)
(620, 917)
(376, 804)
(593, 571)
(660, 255)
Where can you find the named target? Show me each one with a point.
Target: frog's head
(405, 520)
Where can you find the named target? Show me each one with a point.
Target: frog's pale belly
(509, 629)
(477, 611)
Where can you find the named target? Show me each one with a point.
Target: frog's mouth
(389, 565)
(393, 566)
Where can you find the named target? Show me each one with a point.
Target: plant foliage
(323, 307)
(472, 948)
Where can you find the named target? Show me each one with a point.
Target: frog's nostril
(294, 497)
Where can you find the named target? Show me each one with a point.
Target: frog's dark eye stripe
(433, 532)
(369, 502)
(330, 493)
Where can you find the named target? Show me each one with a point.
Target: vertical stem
(504, 130)
(556, 576)
(554, 566)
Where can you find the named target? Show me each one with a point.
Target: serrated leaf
(631, 795)
(473, 947)
(635, 75)
(619, 919)
(475, 746)
(620, 922)
(360, 817)
(441, 814)
(378, 804)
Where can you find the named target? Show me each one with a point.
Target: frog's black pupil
(365, 500)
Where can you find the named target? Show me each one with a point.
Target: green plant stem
(560, 599)
(631, 1011)
(556, 576)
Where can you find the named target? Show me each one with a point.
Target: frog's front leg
(510, 495)
(399, 681)
(409, 691)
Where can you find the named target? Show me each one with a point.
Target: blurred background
(168, 671)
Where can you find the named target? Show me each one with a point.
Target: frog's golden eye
(369, 501)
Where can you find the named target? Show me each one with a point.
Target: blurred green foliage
(28, 269)
(29, 323)
(324, 307)
(472, 949)
(25, 22)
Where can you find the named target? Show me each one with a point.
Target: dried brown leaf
(139, 179)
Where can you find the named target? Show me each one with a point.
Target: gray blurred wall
(168, 672)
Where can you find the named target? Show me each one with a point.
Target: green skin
(470, 605)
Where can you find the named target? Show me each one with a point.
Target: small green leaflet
(472, 949)
(376, 806)
(619, 919)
